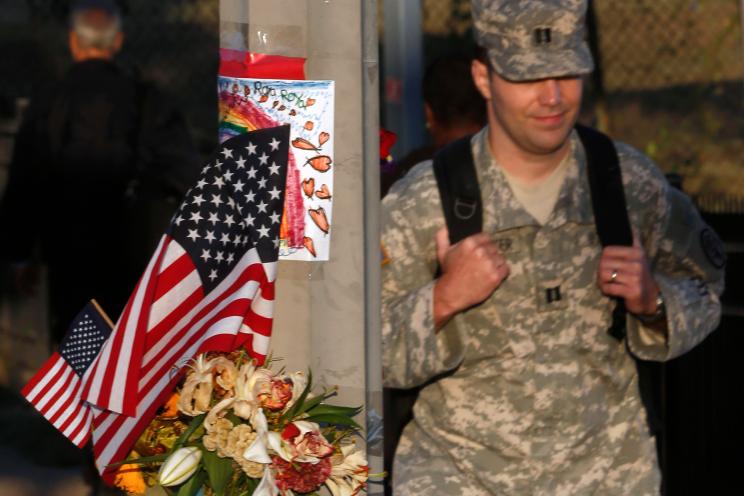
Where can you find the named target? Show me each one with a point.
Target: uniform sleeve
(412, 351)
(687, 262)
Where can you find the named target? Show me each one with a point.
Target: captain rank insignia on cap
(543, 36)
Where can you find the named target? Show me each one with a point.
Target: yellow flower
(129, 477)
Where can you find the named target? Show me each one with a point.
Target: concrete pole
(327, 313)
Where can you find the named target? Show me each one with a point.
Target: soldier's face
(537, 116)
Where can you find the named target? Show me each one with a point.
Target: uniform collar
(503, 211)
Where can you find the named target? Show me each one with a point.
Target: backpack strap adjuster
(464, 209)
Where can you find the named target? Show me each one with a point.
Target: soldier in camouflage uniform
(533, 396)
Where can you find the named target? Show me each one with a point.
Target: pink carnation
(300, 477)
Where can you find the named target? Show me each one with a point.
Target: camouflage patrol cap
(533, 39)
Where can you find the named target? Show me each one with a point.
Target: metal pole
(402, 59)
(371, 161)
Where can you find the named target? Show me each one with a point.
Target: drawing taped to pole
(246, 104)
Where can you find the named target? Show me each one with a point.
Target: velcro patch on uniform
(384, 258)
(713, 248)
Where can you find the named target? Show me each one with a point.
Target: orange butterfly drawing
(323, 193)
(308, 185)
(319, 217)
(309, 245)
(304, 144)
(321, 163)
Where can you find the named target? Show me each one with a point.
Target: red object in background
(393, 90)
(237, 63)
(387, 140)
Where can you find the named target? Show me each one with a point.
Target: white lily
(299, 383)
(179, 466)
(258, 450)
(245, 401)
(277, 444)
(267, 486)
(349, 477)
(197, 389)
(215, 413)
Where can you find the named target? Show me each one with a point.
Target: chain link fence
(173, 44)
(669, 81)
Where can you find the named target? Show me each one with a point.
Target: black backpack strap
(457, 181)
(606, 187)
(613, 228)
(608, 202)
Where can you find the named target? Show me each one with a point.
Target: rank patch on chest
(553, 294)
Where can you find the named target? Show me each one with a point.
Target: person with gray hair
(530, 382)
(95, 30)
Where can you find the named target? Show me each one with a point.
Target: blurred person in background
(453, 108)
(95, 160)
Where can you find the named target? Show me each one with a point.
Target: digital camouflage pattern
(533, 39)
(536, 396)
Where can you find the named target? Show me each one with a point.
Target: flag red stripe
(103, 391)
(127, 342)
(172, 275)
(189, 338)
(130, 395)
(223, 342)
(251, 273)
(258, 323)
(133, 431)
(83, 428)
(179, 335)
(168, 323)
(40, 376)
(194, 335)
(67, 405)
(42, 400)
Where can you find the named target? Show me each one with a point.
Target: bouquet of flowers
(234, 428)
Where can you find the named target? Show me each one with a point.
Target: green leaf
(292, 412)
(233, 418)
(309, 404)
(333, 419)
(334, 410)
(218, 469)
(141, 461)
(192, 486)
(197, 422)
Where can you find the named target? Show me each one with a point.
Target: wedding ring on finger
(613, 275)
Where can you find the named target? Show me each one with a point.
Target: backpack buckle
(463, 209)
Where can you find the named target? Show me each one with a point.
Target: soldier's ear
(479, 70)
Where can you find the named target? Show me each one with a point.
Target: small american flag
(208, 287)
(55, 389)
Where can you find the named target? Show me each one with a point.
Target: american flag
(56, 387)
(208, 287)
